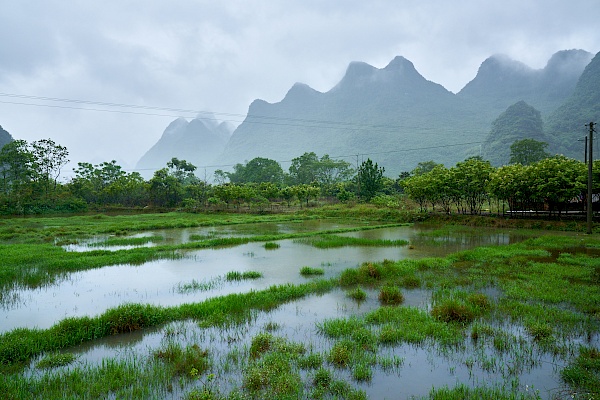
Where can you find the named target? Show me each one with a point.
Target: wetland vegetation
(510, 318)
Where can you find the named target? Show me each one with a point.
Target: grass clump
(55, 360)
(240, 276)
(310, 271)
(272, 246)
(583, 374)
(190, 361)
(539, 331)
(357, 294)
(390, 295)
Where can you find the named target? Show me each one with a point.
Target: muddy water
(163, 282)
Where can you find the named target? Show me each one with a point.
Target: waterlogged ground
(200, 274)
(495, 352)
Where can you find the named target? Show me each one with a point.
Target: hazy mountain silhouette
(198, 141)
(5, 137)
(392, 115)
(566, 125)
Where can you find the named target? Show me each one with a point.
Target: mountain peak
(399, 63)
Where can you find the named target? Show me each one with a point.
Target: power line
(251, 119)
(333, 157)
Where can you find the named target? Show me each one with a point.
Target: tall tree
(49, 158)
(370, 179)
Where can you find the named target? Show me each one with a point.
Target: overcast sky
(221, 55)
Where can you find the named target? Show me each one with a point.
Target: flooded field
(347, 341)
(199, 275)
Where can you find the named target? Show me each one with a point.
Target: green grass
(19, 346)
(543, 297)
(272, 246)
(310, 271)
(240, 276)
(55, 360)
(324, 241)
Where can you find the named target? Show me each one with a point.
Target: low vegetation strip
(326, 241)
(19, 346)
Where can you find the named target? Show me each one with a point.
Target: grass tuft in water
(190, 361)
(239, 276)
(390, 295)
(272, 246)
(357, 294)
(310, 271)
(55, 360)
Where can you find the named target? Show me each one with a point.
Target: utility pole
(590, 211)
(358, 175)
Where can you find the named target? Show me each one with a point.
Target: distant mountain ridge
(5, 137)
(395, 116)
(198, 141)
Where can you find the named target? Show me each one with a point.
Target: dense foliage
(29, 183)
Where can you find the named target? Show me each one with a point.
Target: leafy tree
(331, 171)
(370, 179)
(257, 170)
(49, 158)
(308, 168)
(512, 183)
(182, 170)
(471, 178)
(527, 151)
(165, 189)
(304, 169)
(558, 180)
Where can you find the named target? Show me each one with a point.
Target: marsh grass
(390, 295)
(583, 373)
(357, 294)
(538, 287)
(310, 271)
(240, 276)
(324, 241)
(18, 346)
(190, 361)
(55, 360)
(272, 246)
(199, 286)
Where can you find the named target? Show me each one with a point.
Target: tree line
(533, 181)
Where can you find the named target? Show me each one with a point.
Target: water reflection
(92, 292)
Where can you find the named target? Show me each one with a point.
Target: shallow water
(91, 292)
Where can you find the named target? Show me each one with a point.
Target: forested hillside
(566, 125)
(519, 121)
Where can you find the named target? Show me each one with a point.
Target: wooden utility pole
(590, 211)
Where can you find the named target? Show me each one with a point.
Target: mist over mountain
(386, 113)
(566, 125)
(394, 116)
(5, 137)
(519, 121)
(198, 141)
(501, 81)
